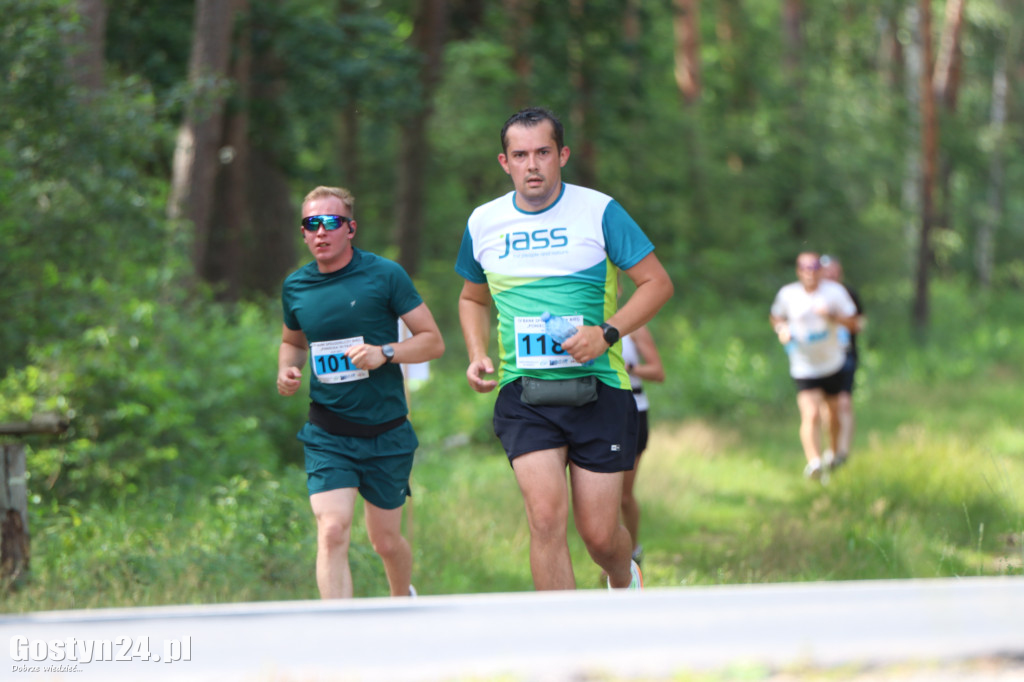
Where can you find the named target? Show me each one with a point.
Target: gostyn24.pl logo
(29, 654)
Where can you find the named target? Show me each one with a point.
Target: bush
(159, 392)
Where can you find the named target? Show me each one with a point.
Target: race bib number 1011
(331, 365)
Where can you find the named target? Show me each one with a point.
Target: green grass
(932, 490)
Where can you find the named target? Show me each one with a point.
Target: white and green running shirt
(563, 260)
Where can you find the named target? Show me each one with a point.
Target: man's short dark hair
(530, 117)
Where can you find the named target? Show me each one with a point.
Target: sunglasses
(328, 222)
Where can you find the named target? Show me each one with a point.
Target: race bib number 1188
(536, 350)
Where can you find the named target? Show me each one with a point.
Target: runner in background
(832, 269)
(806, 316)
(643, 363)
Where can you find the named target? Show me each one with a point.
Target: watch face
(611, 334)
(388, 351)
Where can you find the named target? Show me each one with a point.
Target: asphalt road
(589, 634)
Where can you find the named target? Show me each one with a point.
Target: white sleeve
(779, 305)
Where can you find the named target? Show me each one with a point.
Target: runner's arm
(425, 343)
(653, 289)
(475, 318)
(651, 369)
(291, 357)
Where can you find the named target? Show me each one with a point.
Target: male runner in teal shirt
(342, 311)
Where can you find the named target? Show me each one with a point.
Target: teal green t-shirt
(363, 300)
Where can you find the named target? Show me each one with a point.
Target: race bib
(331, 366)
(536, 350)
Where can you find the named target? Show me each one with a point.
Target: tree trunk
(792, 32)
(686, 29)
(946, 80)
(14, 536)
(945, 88)
(253, 247)
(891, 58)
(274, 219)
(726, 16)
(349, 161)
(87, 60)
(911, 195)
(15, 550)
(793, 154)
(581, 83)
(230, 244)
(349, 158)
(196, 151)
(929, 155)
(687, 49)
(428, 37)
(518, 29)
(989, 225)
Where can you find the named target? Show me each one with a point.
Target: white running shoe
(813, 470)
(636, 581)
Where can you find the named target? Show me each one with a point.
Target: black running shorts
(601, 436)
(831, 385)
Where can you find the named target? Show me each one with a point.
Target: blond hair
(323, 192)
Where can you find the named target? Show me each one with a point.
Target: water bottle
(558, 328)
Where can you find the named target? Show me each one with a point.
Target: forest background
(152, 161)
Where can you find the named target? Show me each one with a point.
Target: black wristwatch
(611, 334)
(389, 353)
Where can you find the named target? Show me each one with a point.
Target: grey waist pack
(566, 392)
